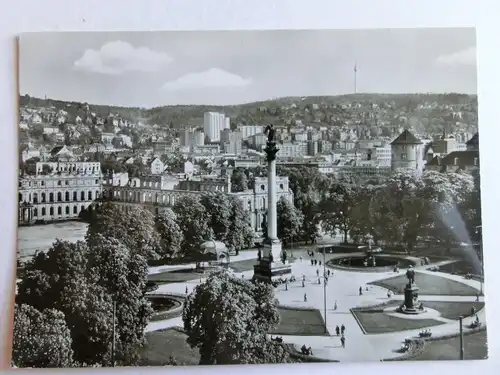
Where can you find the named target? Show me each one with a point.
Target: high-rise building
(231, 141)
(213, 124)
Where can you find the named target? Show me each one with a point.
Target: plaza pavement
(343, 287)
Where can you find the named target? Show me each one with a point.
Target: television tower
(355, 73)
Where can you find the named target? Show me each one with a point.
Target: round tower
(406, 152)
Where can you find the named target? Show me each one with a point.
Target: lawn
(161, 345)
(453, 310)
(300, 322)
(376, 322)
(459, 268)
(475, 347)
(428, 284)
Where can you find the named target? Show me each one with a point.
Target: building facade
(213, 124)
(155, 195)
(58, 191)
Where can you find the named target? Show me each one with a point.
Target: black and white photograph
(196, 198)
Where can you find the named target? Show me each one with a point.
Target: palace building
(58, 191)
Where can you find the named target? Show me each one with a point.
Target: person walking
(342, 341)
(342, 329)
(335, 305)
(187, 290)
(337, 330)
(305, 297)
(360, 291)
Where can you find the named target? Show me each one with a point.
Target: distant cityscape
(72, 156)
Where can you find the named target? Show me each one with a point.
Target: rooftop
(406, 138)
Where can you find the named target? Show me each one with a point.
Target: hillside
(385, 109)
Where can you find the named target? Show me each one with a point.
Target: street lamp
(460, 321)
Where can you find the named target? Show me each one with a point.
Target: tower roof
(406, 138)
(474, 141)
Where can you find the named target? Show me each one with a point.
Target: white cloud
(212, 78)
(119, 57)
(464, 57)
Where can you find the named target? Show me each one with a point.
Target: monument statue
(271, 149)
(410, 274)
(270, 132)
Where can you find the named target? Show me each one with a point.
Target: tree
(240, 234)
(136, 229)
(289, 221)
(193, 220)
(41, 339)
(83, 282)
(337, 208)
(170, 234)
(311, 219)
(218, 211)
(227, 319)
(122, 275)
(239, 181)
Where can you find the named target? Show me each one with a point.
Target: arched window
(35, 212)
(51, 211)
(43, 211)
(97, 195)
(59, 210)
(263, 203)
(51, 198)
(90, 195)
(35, 198)
(66, 196)
(82, 208)
(43, 197)
(59, 196)
(82, 196)
(67, 210)
(75, 209)
(75, 196)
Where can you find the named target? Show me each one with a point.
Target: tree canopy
(227, 319)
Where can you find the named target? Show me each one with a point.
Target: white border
(90, 15)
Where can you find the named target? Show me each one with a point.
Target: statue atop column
(271, 149)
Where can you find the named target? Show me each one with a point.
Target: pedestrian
(328, 272)
(187, 290)
(303, 277)
(303, 284)
(317, 271)
(342, 341)
(305, 297)
(337, 330)
(320, 263)
(342, 329)
(360, 291)
(286, 286)
(319, 281)
(312, 262)
(335, 305)
(388, 294)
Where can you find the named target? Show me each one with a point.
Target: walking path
(343, 287)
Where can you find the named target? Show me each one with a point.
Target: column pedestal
(267, 269)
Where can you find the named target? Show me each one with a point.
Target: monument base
(267, 269)
(411, 304)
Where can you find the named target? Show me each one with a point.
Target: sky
(148, 69)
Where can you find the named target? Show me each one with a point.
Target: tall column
(272, 230)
